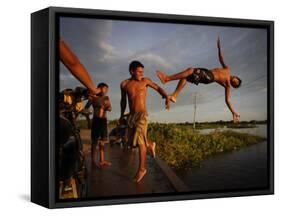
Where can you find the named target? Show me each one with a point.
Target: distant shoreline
(198, 125)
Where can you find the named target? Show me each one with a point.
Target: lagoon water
(260, 130)
(242, 169)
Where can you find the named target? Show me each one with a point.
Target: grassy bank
(180, 147)
(82, 123)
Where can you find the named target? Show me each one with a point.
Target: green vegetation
(82, 124)
(221, 124)
(112, 123)
(180, 147)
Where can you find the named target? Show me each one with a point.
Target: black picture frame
(44, 92)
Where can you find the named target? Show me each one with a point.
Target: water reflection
(260, 130)
(242, 169)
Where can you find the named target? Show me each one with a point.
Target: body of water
(242, 169)
(260, 130)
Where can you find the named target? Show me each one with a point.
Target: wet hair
(100, 85)
(134, 65)
(240, 81)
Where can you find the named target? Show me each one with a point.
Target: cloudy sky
(106, 47)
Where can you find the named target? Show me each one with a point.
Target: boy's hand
(236, 117)
(96, 101)
(167, 102)
(90, 96)
(93, 92)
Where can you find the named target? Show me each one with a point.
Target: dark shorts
(201, 75)
(99, 129)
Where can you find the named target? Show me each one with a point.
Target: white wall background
(15, 107)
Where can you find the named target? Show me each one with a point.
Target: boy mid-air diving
(221, 76)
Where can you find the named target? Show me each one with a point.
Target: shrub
(180, 147)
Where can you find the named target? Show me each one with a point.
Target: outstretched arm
(160, 91)
(123, 102)
(220, 54)
(235, 115)
(70, 60)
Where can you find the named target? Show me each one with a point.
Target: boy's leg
(101, 152)
(103, 162)
(141, 170)
(181, 75)
(151, 148)
(103, 140)
(178, 89)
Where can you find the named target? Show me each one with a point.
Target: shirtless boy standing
(135, 88)
(101, 104)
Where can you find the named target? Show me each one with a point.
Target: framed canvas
(139, 107)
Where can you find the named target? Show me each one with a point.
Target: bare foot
(173, 98)
(151, 149)
(161, 76)
(105, 164)
(139, 176)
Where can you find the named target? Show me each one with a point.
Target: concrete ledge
(177, 183)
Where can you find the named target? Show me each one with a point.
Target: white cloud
(112, 54)
(106, 55)
(154, 59)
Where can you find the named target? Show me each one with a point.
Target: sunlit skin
(222, 76)
(135, 88)
(101, 105)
